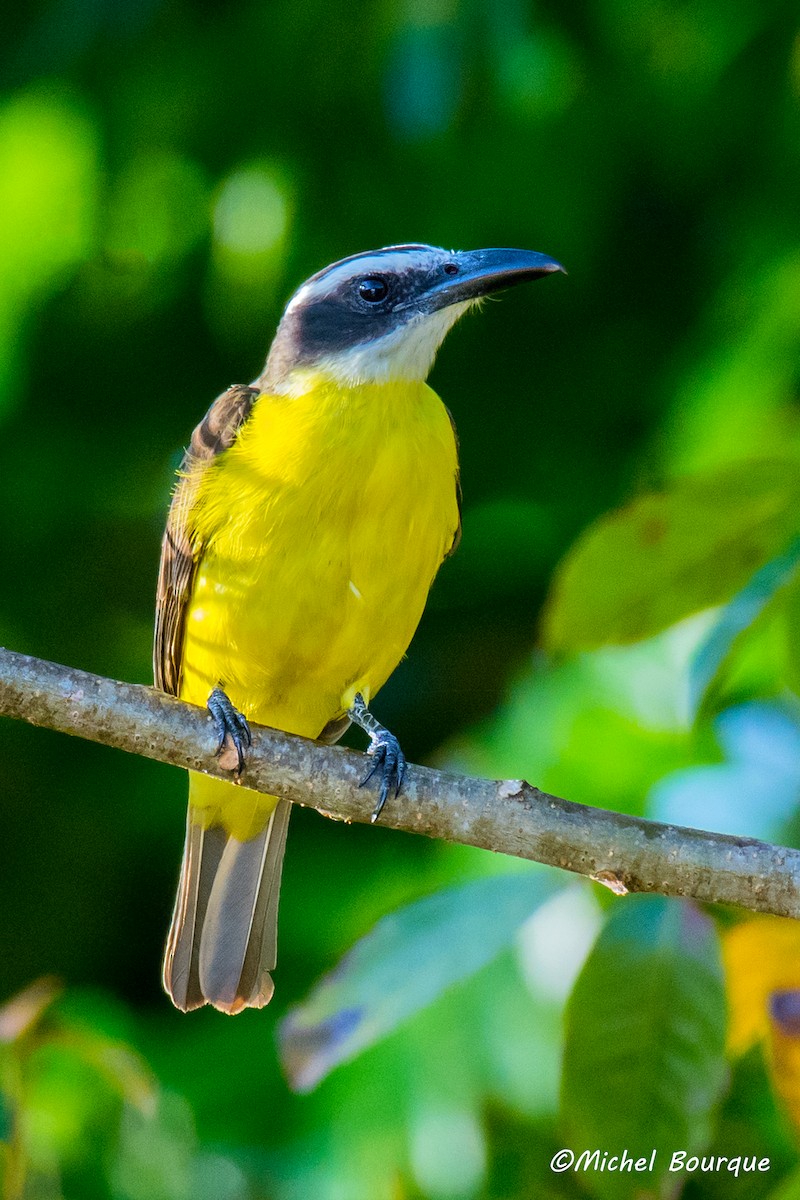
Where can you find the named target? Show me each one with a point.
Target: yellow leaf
(761, 956)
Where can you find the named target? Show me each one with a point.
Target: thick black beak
(470, 274)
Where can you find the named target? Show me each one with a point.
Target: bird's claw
(388, 758)
(229, 723)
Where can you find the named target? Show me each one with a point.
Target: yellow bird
(311, 514)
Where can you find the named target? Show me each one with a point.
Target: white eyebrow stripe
(300, 297)
(395, 262)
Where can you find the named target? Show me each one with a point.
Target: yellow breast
(323, 528)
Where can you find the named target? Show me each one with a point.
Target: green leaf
(735, 620)
(645, 1035)
(117, 1064)
(405, 962)
(788, 1188)
(154, 1154)
(792, 635)
(669, 554)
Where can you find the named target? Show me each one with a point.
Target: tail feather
(239, 941)
(202, 852)
(261, 953)
(223, 940)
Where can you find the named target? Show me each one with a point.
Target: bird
(311, 513)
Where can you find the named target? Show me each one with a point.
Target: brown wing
(181, 550)
(457, 535)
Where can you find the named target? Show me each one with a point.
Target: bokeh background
(169, 172)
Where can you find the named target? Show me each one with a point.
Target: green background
(169, 173)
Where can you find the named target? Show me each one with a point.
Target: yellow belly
(323, 528)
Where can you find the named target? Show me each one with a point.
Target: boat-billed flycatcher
(311, 514)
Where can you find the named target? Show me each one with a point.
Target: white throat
(406, 353)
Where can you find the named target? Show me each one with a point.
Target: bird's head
(381, 316)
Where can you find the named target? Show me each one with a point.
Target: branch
(623, 852)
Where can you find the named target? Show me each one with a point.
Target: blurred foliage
(406, 961)
(668, 555)
(168, 173)
(645, 1024)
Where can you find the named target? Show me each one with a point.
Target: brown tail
(222, 942)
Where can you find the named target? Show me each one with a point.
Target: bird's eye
(373, 289)
(451, 268)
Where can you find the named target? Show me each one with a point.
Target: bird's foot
(230, 727)
(391, 762)
(385, 749)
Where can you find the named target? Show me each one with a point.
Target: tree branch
(623, 852)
